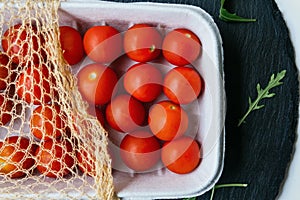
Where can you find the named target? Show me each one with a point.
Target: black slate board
(259, 151)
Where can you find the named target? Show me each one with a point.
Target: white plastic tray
(209, 112)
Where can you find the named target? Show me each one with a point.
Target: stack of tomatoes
(138, 82)
(144, 103)
(28, 82)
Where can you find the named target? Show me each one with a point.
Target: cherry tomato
(36, 85)
(47, 122)
(182, 85)
(6, 109)
(86, 162)
(102, 44)
(96, 112)
(140, 150)
(55, 158)
(143, 81)
(16, 156)
(71, 44)
(181, 155)
(125, 113)
(181, 47)
(20, 41)
(96, 83)
(142, 42)
(7, 73)
(167, 120)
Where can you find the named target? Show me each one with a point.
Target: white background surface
(291, 13)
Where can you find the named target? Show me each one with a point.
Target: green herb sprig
(220, 186)
(262, 94)
(231, 17)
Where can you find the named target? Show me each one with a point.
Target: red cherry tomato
(96, 83)
(182, 85)
(6, 109)
(36, 85)
(181, 47)
(167, 120)
(7, 72)
(71, 44)
(86, 162)
(55, 158)
(96, 112)
(47, 122)
(125, 113)
(20, 41)
(103, 44)
(181, 155)
(143, 81)
(142, 42)
(16, 156)
(140, 150)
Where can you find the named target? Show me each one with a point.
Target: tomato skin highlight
(96, 83)
(182, 85)
(181, 47)
(103, 44)
(55, 158)
(140, 150)
(167, 120)
(71, 44)
(125, 113)
(142, 42)
(143, 81)
(181, 155)
(16, 156)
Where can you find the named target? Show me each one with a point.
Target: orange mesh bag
(50, 147)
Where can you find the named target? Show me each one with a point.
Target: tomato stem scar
(152, 48)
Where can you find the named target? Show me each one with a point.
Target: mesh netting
(50, 147)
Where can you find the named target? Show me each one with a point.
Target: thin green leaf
(258, 107)
(231, 17)
(263, 93)
(258, 89)
(270, 95)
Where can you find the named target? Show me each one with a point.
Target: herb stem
(231, 17)
(226, 185)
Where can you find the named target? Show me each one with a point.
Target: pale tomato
(96, 83)
(142, 42)
(143, 81)
(181, 47)
(103, 43)
(140, 150)
(167, 120)
(182, 85)
(125, 113)
(181, 155)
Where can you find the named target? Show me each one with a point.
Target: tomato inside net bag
(47, 137)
